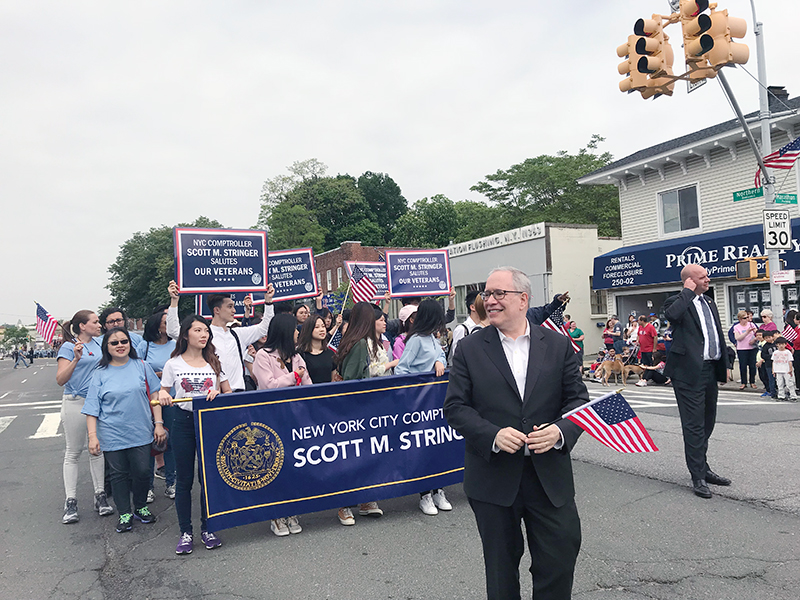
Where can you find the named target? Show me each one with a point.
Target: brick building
(331, 272)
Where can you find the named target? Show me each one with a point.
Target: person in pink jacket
(278, 365)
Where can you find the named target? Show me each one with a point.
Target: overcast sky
(118, 117)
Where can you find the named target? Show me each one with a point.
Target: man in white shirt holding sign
(230, 347)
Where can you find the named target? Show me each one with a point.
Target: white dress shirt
(698, 301)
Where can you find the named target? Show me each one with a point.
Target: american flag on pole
(555, 322)
(780, 159)
(334, 342)
(363, 289)
(45, 324)
(611, 421)
(789, 333)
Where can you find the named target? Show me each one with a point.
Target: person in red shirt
(647, 340)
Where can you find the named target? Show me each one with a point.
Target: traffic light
(746, 269)
(635, 79)
(725, 51)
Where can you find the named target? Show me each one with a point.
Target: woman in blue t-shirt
(120, 423)
(157, 351)
(77, 359)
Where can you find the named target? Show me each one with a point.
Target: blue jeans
(184, 447)
(128, 473)
(169, 457)
(20, 358)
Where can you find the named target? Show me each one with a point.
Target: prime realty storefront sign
(662, 261)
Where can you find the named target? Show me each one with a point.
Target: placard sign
(229, 260)
(376, 271)
(418, 272)
(202, 309)
(292, 273)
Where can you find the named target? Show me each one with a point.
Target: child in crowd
(655, 372)
(765, 360)
(782, 370)
(593, 367)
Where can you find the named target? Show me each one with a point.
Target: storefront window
(756, 297)
(679, 210)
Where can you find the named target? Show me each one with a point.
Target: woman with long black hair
(312, 345)
(77, 359)
(193, 371)
(120, 423)
(424, 353)
(277, 365)
(357, 351)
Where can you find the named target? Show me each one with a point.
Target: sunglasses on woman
(117, 342)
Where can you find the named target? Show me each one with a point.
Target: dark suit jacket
(685, 358)
(482, 398)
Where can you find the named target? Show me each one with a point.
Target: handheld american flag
(789, 333)
(781, 159)
(611, 421)
(363, 289)
(334, 342)
(555, 322)
(45, 324)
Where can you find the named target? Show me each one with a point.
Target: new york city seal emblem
(250, 456)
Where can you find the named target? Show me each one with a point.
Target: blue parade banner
(418, 272)
(661, 262)
(293, 274)
(201, 306)
(220, 260)
(273, 453)
(375, 271)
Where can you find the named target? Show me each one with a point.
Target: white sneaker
(642, 383)
(151, 497)
(440, 500)
(346, 516)
(293, 524)
(427, 506)
(279, 527)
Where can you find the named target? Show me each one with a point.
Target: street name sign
(748, 194)
(785, 198)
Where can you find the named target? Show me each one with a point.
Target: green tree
(292, 225)
(277, 189)
(477, 219)
(15, 336)
(429, 224)
(545, 189)
(143, 268)
(385, 201)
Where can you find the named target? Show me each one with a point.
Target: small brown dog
(610, 367)
(626, 372)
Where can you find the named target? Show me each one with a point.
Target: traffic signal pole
(773, 258)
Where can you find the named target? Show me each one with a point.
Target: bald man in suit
(697, 360)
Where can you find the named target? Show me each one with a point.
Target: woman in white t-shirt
(193, 371)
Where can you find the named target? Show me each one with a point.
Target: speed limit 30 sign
(777, 230)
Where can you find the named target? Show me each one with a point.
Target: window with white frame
(338, 276)
(597, 300)
(319, 280)
(680, 210)
(328, 277)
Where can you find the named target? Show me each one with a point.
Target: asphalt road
(645, 535)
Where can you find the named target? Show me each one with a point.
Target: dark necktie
(713, 343)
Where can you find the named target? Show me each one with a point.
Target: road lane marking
(23, 381)
(5, 422)
(49, 426)
(39, 404)
(4, 395)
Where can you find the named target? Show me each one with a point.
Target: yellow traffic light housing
(746, 269)
(724, 50)
(635, 79)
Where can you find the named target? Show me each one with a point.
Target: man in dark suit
(697, 360)
(507, 383)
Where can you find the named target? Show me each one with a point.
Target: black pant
(697, 405)
(647, 359)
(554, 539)
(184, 446)
(747, 360)
(655, 377)
(129, 472)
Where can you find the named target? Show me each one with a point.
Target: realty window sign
(375, 271)
(292, 274)
(202, 309)
(418, 272)
(777, 230)
(220, 260)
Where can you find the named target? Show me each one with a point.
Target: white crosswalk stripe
(658, 396)
(5, 422)
(31, 426)
(48, 427)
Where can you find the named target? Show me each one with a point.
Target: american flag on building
(45, 324)
(780, 159)
(789, 333)
(555, 322)
(363, 289)
(611, 421)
